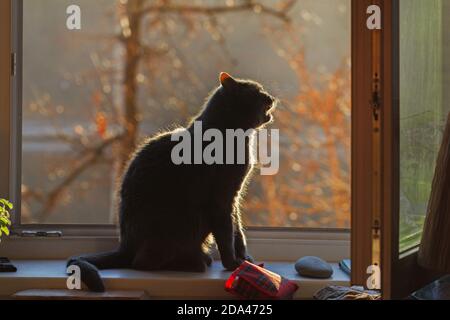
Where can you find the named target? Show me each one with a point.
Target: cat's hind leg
(206, 248)
(207, 258)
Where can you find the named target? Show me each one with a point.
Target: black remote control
(6, 266)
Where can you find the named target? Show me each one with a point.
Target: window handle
(40, 234)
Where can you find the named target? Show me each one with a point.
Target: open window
(412, 54)
(420, 121)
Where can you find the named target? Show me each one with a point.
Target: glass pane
(74, 100)
(423, 108)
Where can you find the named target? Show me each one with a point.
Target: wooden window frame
(362, 146)
(5, 95)
(400, 272)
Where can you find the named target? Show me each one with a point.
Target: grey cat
(169, 212)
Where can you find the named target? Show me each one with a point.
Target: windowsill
(264, 245)
(50, 274)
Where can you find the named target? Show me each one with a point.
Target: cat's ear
(227, 81)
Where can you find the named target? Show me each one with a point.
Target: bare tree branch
(135, 51)
(254, 6)
(51, 198)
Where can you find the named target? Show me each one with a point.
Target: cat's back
(150, 160)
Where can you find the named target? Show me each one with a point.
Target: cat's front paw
(245, 256)
(249, 258)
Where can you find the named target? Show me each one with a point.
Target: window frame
(362, 143)
(264, 245)
(5, 96)
(270, 243)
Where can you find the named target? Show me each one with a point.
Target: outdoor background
(141, 66)
(424, 106)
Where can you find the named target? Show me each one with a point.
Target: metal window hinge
(13, 64)
(376, 228)
(376, 97)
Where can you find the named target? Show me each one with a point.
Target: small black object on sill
(6, 266)
(346, 266)
(438, 290)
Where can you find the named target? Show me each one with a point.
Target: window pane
(423, 108)
(75, 104)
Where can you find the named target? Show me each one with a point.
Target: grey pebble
(313, 267)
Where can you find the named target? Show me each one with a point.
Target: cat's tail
(91, 264)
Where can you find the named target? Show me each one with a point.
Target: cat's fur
(168, 211)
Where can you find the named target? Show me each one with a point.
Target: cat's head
(244, 103)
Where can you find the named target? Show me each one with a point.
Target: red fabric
(250, 281)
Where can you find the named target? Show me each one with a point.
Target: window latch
(40, 234)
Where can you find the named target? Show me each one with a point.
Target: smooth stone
(313, 267)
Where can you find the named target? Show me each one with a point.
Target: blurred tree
(137, 20)
(312, 188)
(314, 177)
